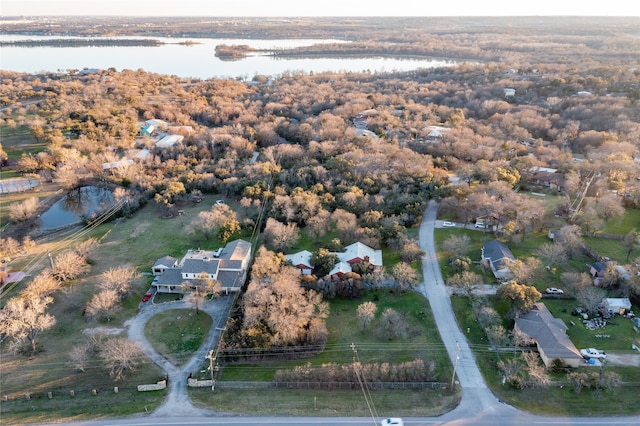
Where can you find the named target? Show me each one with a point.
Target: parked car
(197, 199)
(479, 225)
(448, 225)
(219, 201)
(392, 421)
(553, 290)
(148, 295)
(593, 353)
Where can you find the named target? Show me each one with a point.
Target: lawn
(423, 342)
(330, 403)
(178, 333)
(423, 339)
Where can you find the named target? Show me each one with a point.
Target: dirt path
(177, 402)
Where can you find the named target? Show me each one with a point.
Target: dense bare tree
(393, 324)
(24, 319)
(466, 281)
(280, 236)
(69, 265)
(120, 355)
(524, 271)
(551, 254)
(366, 313)
(457, 245)
(119, 279)
(24, 210)
(42, 285)
(283, 310)
(103, 304)
(405, 276)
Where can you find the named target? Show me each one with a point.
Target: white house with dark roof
(228, 265)
(498, 257)
(550, 335)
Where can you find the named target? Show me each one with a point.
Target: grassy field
(177, 334)
(423, 340)
(330, 403)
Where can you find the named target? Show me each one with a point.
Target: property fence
(330, 385)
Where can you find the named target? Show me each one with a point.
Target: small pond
(75, 206)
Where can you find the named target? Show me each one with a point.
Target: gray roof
(196, 266)
(172, 276)
(498, 253)
(167, 261)
(549, 333)
(236, 250)
(230, 278)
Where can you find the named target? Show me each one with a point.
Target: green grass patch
(629, 221)
(177, 333)
(423, 340)
(612, 249)
(331, 403)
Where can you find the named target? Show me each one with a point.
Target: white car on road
(448, 225)
(553, 290)
(392, 421)
(593, 353)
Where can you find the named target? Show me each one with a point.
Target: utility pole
(455, 365)
(211, 358)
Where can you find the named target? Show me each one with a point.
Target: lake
(195, 60)
(75, 206)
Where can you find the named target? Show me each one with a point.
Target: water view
(194, 60)
(76, 205)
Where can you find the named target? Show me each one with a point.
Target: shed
(616, 304)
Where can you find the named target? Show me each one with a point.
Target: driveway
(177, 402)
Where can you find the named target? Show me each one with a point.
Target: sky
(224, 8)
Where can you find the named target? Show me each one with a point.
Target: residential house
(228, 265)
(497, 256)
(352, 254)
(158, 124)
(169, 140)
(302, 261)
(551, 180)
(147, 130)
(597, 269)
(163, 264)
(550, 336)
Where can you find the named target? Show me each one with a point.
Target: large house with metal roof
(228, 265)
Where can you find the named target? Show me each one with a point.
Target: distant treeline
(80, 42)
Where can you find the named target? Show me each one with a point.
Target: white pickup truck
(593, 353)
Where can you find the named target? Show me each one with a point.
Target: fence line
(330, 385)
